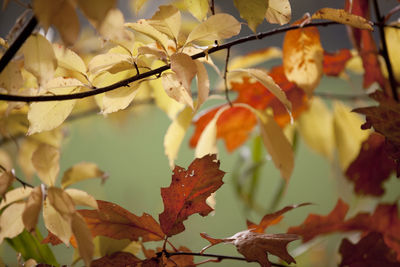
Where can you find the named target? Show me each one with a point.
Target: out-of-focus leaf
(203, 84)
(45, 159)
(198, 8)
(167, 20)
(252, 11)
(81, 198)
(342, 16)
(185, 69)
(56, 223)
(83, 237)
(96, 10)
(255, 57)
(188, 191)
(11, 223)
(116, 259)
(393, 45)
(11, 78)
(15, 195)
(6, 180)
(278, 11)
(119, 98)
(80, 172)
(136, 5)
(335, 63)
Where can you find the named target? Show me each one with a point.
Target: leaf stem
(384, 50)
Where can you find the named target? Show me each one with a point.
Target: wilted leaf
(45, 159)
(252, 11)
(80, 172)
(174, 89)
(14, 195)
(369, 251)
(167, 20)
(271, 219)
(115, 222)
(11, 223)
(83, 237)
(342, 16)
(40, 59)
(213, 29)
(372, 167)
(198, 8)
(56, 223)
(278, 11)
(81, 198)
(348, 133)
(117, 259)
(335, 63)
(188, 191)
(30, 216)
(302, 57)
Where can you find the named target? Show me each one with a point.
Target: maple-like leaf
(369, 251)
(116, 222)
(271, 219)
(335, 63)
(372, 167)
(385, 119)
(188, 192)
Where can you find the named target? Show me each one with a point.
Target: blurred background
(130, 149)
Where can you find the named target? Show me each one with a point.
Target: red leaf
(52, 239)
(117, 259)
(334, 63)
(271, 219)
(116, 222)
(369, 251)
(365, 45)
(188, 192)
(385, 119)
(372, 167)
(235, 124)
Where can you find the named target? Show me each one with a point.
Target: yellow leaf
(203, 84)
(119, 98)
(175, 134)
(145, 28)
(185, 69)
(112, 28)
(82, 171)
(61, 201)
(104, 62)
(81, 198)
(163, 101)
(15, 195)
(30, 216)
(174, 89)
(83, 237)
(278, 11)
(207, 143)
(316, 128)
(136, 5)
(53, 137)
(348, 133)
(254, 58)
(216, 27)
(393, 45)
(167, 20)
(11, 223)
(252, 11)
(68, 59)
(11, 77)
(276, 144)
(341, 16)
(5, 159)
(96, 10)
(56, 223)
(45, 116)
(302, 58)
(6, 180)
(3, 42)
(198, 8)
(25, 152)
(40, 59)
(45, 159)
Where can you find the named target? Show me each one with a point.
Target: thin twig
(225, 76)
(384, 51)
(16, 45)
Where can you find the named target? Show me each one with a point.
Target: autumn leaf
(303, 57)
(31, 213)
(167, 20)
(185, 68)
(45, 159)
(117, 259)
(372, 167)
(252, 11)
(95, 10)
(83, 237)
(278, 11)
(392, 40)
(198, 8)
(188, 192)
(175, 89)
(342, 16)
(11, 78)
(369, 251)
(82, 171)
(271, 219)
(255, 57)
(6, 180)
(15, 195)
(115, 222)
(11, 223)
(335, 63)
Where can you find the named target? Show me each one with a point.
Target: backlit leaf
(213, 29)
(11, 223)
(335, 63)
(31, 213)
(167, 20)
(342, 16)
(80, 172)
(40, 59)
(188, 192)
(252, 11)
(114, 61)
(15, 195)
(11, 77)
(278, 11)
(255, 57)
(115, 222)
(68, 59)
(203, 84)
(81, 198)
(119, 98)
(302, 58)
(145, 28)
(45, 159)
(174, 89)
(393, 40)
(198, 8)
(185, 68)
(96, 10)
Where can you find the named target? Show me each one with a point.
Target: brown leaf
(83, 238)
(116, 222)
(372, 167)
(271, 219)
(188, 192)
(6, 180)
(30, 216)
(369, 251)
(117, 259)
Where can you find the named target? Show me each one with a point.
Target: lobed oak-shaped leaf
(116, 222)
(188, 192)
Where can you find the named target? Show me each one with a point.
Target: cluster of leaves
(157, 60)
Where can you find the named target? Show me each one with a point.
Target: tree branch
(16, 45)
(228, 50)
(384, 51)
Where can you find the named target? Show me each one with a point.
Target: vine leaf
(372, 167)
(256, 246)
(188, 192)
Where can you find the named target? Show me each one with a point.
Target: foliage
(45, 83)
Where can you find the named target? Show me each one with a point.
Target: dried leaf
(30, 216)
(115, 222)
(83, 237)
(252, 11)
(188, 191)
(15, 195)
(212, 29)
(61, 201)
(11, 223)
(342, 16)
(167, 20)
(82, 171)
(45, 159)
(6, 180)
(185, 68)
(278, 11)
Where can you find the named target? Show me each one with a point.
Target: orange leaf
(116, 222)
(271, 219)
(334, 63)
(188, 192)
